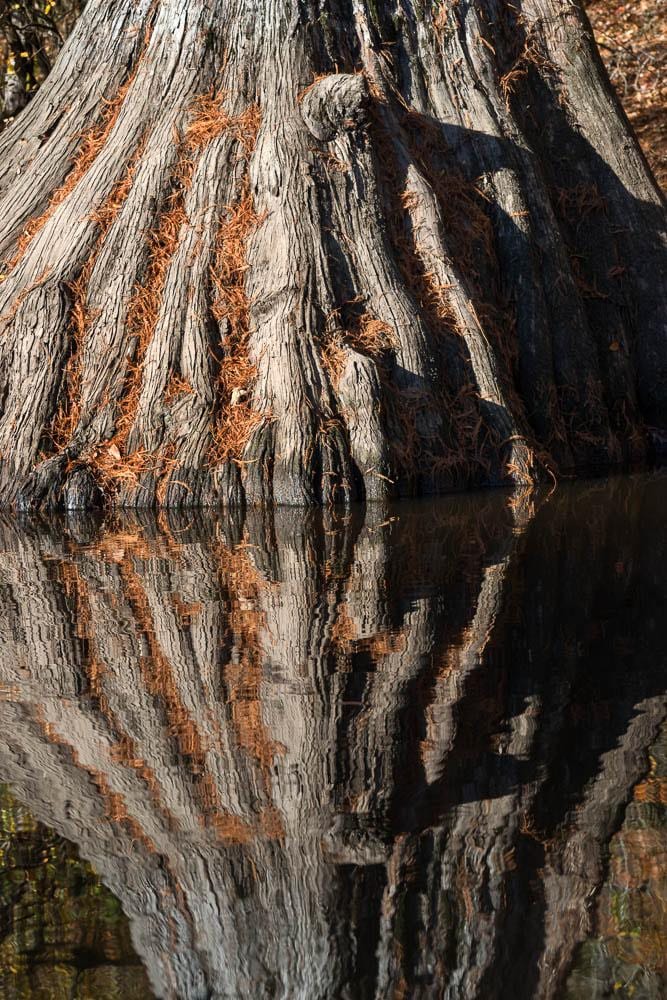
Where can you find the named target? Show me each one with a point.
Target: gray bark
(307, 253)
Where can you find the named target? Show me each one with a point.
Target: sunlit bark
(304, 252)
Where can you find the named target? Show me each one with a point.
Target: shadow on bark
(393, 249)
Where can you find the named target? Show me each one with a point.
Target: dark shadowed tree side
(314, 251)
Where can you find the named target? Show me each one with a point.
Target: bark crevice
(324, 258)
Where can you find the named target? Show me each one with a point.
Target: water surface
(407, 752)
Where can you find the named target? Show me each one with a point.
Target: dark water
(413, 752)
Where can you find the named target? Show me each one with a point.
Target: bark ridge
(306, 253)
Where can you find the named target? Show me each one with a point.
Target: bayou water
(416, 751)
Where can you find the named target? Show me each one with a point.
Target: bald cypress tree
(307, 251)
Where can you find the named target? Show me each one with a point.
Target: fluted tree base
(296, 255)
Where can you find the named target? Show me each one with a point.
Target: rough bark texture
(310, 252)
(329, 758)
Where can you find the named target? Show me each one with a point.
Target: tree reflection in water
(406, 752)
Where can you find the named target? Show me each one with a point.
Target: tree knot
(334, 104)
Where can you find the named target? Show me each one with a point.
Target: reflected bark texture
(379, 755)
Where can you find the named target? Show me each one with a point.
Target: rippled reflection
(410, 752)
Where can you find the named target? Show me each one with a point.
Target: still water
(411, 752)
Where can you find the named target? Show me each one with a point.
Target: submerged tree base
(273, 253)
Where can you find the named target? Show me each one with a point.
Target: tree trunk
(311, 252)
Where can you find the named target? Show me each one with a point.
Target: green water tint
(411, 752)
(628, 956)
(62, 933)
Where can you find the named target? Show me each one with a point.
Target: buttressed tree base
(307, 251)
